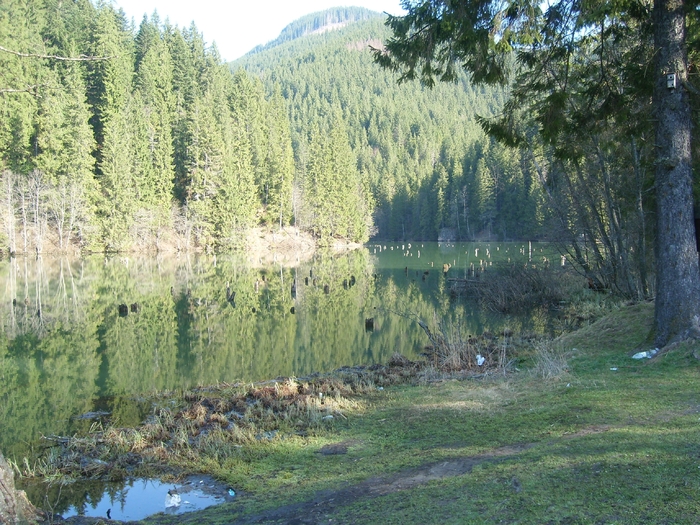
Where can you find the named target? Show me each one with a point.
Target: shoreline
(262, 245)
(464, 431)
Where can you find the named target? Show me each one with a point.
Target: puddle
(140, 498)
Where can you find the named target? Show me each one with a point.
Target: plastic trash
(480, 360)
(231, 492)
(646, 355)
(172, 500)
(614, 368)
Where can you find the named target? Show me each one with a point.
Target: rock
(15, 508)
(334, 449)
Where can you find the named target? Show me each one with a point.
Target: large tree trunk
(15, 509)
(677, 270)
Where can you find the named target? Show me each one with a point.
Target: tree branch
(81, 58)
(28, 89)
(690, 87)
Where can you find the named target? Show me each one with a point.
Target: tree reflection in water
(67, 349)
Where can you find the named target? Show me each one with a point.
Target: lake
(91, 336)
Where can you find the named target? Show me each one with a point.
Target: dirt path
(325, 503)
(322, 506)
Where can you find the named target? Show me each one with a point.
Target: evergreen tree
(110, 94)
(185, 91)
(154, 106)
(280, 163)
(220, 187)
(20, 82)
(65, 146)
(336, 192)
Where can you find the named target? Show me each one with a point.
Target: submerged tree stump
(15, 508)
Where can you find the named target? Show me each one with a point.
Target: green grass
(589, 445)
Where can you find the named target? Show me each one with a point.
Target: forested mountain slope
(427, 162)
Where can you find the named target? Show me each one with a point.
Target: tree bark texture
(677, 270)
(15, 509)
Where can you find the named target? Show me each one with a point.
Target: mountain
(430, 169)
(317, 23)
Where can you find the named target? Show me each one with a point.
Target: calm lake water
(97, 334)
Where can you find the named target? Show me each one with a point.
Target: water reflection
(93, 335)
(129, 500)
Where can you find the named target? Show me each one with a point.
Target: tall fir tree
(154, 106)
(110, 94)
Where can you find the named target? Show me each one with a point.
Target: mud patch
(286, 246)
(337, 448)
(326, 502)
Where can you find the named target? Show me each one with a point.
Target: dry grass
(217, 422)
(452, 351)
(550, 362)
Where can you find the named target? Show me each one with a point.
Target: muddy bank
(286, 246)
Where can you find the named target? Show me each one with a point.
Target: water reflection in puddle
(140, 498)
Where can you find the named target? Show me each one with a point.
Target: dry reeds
(451, 351)
(550, 362)
(217, 421)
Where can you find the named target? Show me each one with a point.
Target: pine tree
(20, 82)
(154, 106)
(220, 186)
(487, 192)
(336, 192)
(111, 99)
(279, 161)
(65, 146)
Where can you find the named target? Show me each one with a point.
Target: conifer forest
(116, 136)
(119, 135)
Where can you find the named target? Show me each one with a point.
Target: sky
(237, 26)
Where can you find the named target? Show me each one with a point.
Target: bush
(512, 289)
(450, 351)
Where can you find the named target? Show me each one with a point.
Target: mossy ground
(588, 444)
